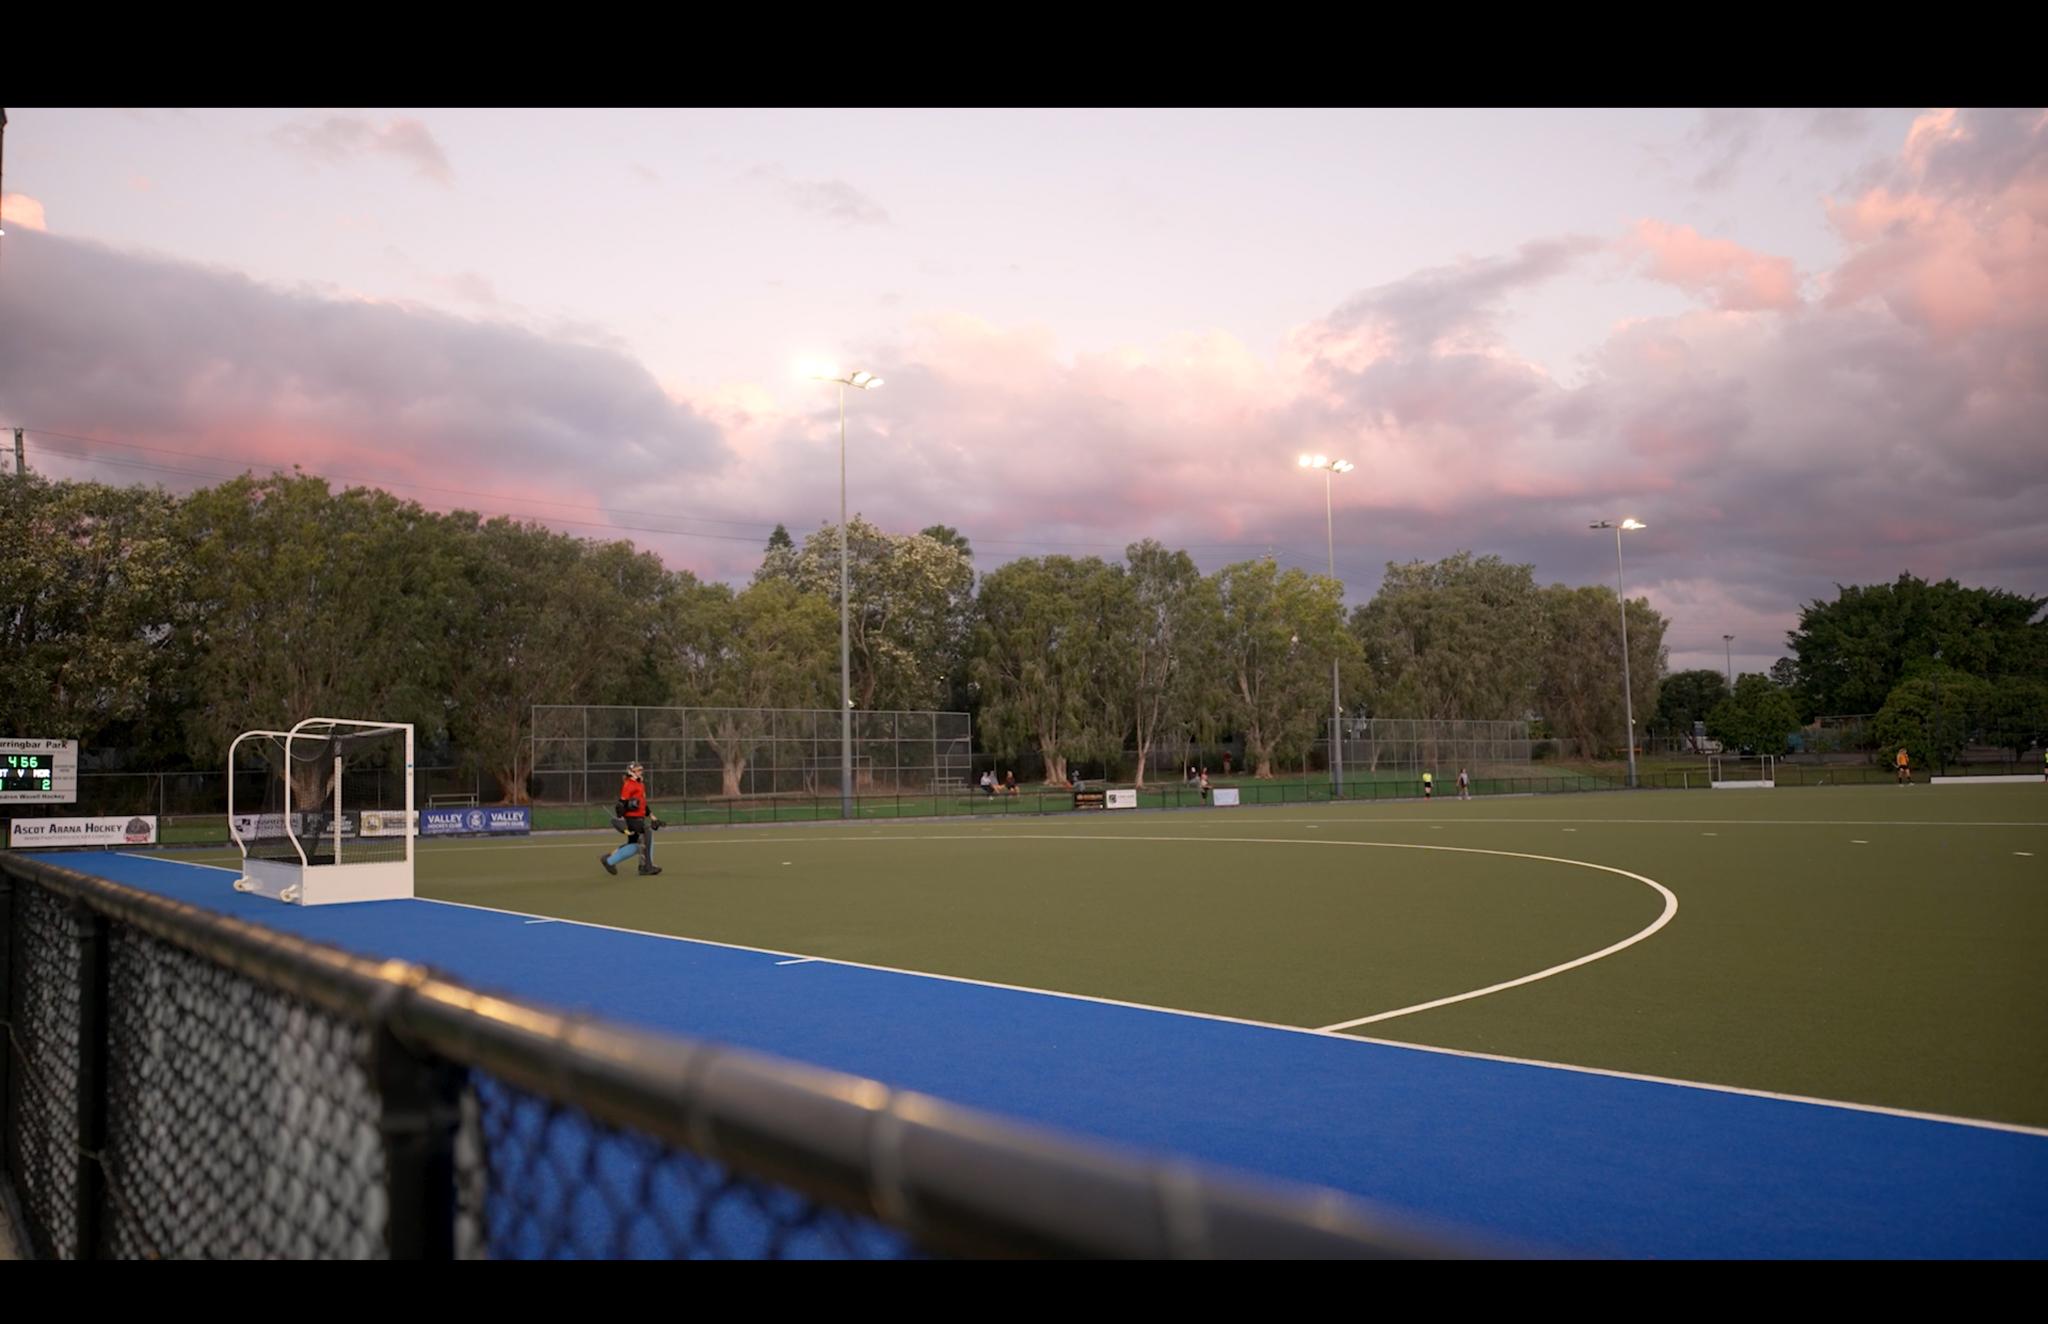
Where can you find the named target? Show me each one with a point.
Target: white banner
(1226, 795)
(388, 823)
(264, 827)
(1124, 799)
(46, 833)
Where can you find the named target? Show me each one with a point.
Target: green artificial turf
(1875, 945)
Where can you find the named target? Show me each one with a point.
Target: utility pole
(19, 466)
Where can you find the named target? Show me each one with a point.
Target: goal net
(324, 812)
(1751, 772)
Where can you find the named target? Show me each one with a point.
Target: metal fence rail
(177, 1083)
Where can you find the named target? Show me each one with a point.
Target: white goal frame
(305, 883)
(1767, 765)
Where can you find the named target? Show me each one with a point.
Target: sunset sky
(1804, 346)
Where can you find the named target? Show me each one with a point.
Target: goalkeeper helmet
(634, 770)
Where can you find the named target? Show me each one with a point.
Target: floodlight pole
(1336, 688)
(1330, 469)
(1628, 702)
(845, 653)
(1729, 641)
(865, 381)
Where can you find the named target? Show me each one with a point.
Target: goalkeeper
(630, 816)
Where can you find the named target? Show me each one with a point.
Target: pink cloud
(22, 210)
(1956, 240)
(1734, 278)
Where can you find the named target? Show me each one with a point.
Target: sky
(1805, 347)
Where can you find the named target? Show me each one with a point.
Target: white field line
(1330, 1036)
(920, 831)
(801, 960)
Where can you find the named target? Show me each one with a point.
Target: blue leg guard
(625, 852)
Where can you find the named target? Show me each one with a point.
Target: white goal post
(1755, 772)
(334, 820)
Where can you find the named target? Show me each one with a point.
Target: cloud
(1950, 236)
(1838, 124)
(19, 209)
(1732, 277)
(1774, 447)
(340, 138)
(101, 343)
(834, 199)
(1725, 136)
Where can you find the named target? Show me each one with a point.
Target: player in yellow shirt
(1905, 767)
(1429, 786)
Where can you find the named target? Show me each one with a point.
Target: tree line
(164, 625)
(1931, 667)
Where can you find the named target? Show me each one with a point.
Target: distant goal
(1755, 772)
(323, 813)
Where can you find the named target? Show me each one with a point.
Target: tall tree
(1685, 697)
(1459, 638)
(1044, 645)
(1758, 716)
(1853, 651)
(94, 582)
(1278, 631)
(911, 605)
(1932, 714)
(771, 646)
(1168, 639)
(1579, 688)
(947, 536)
(539, 618)
(308, 603)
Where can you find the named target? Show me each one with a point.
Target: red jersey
(632, 789)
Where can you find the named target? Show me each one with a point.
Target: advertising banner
(1123, 799)
(1226, 795)
(48, 833)
(489, 821)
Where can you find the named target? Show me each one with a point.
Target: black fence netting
(181, 1084)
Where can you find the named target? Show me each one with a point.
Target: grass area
(1876, 945)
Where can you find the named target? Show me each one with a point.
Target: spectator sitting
(1010, 782)
(988, 783)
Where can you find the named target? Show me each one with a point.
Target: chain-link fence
(710, 753)
(180, 1084)
(1371, 744)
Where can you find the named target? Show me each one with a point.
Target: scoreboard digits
(38, 771)
(29, 772)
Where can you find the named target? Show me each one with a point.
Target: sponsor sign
(1088, 799)
(48, 833)
(1225, 795)
(264, 827)
(38, 772)
(502, 819)
(490, 821)
(1124, 799)
(387, 823)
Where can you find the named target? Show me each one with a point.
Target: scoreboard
(38, 771)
